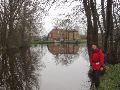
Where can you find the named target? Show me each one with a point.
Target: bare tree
(16, 19)
(109, 26)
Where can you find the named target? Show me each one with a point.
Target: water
(65, 67)
(45, 67)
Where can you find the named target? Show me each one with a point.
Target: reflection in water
(65, 69)
(20, 69)
(63, 48)
(17, 69)
(65, 59)
(64, 53)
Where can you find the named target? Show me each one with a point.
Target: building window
(49, 35)
(58, 32)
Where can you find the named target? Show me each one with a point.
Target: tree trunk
(109, 33)
(89, 25)
(109, 23)
(95, 19)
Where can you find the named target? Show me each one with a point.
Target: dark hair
(93, 44)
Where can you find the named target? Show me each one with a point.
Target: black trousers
(96, 78)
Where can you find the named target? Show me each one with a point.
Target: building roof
(58, 29)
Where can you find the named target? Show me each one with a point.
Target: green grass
(83, 41)
(111, 79)
(50, 42)
(42, 42)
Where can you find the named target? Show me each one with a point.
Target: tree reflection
(65, 59)
(17, 68)
(64, 53)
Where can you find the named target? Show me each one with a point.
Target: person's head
(94, 46)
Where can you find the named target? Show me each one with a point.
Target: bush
(111, 79)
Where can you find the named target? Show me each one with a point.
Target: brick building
(60, 34)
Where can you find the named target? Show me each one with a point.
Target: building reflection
(56, 49)
(17, 70)
(64, 53)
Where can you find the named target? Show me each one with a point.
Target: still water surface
(65, 67)
(45, 67)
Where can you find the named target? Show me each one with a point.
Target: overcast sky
(55, 12)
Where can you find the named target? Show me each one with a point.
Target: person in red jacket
(97, 63)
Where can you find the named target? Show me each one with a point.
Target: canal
(65, 67)
(45, 67)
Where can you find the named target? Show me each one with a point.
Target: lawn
(111, 79)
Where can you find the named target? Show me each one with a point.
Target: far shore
(52, 42)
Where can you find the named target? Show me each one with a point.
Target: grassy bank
(111, 79)
(42, 42)
(50, 42)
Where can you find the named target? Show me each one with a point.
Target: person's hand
(101, 69)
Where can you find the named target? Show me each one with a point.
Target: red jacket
(97, 59)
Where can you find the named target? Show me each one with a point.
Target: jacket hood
(96, 50)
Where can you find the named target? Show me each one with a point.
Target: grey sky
(54, 13)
